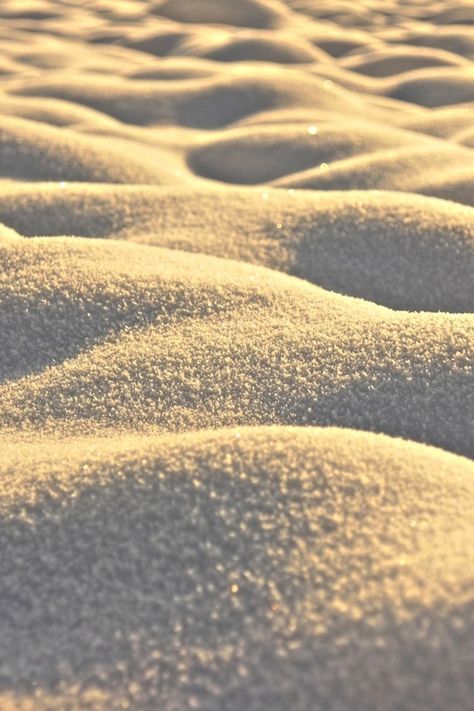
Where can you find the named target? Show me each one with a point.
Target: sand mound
(207, 103)
(32, 11)
(178, 347)
(258, 155)
(448, 86)
(459, 40)
(421, 170)
(387, 62)
(401, 251)
(30, 150)
(54, 112)
(337, 41)
(158, 43)
(171, 68)
(444, 122)
(459, 14)
(246, 13)
(339, 12)
(88, 290)
(255, 47)
(291, 568)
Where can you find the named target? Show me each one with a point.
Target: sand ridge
(236, 355)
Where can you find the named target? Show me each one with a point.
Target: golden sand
(236, 355)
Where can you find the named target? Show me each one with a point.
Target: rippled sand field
(236, 355)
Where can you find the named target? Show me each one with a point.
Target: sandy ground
(236, 355)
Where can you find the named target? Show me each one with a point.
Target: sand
(236, 355)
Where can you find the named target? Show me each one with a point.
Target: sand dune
(236, 355)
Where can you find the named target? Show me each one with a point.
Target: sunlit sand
(236, 355)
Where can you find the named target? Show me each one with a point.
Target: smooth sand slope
(236, 355)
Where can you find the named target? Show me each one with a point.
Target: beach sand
(236, 355)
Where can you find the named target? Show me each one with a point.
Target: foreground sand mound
(125, 336)
(402, 251)
(273, 567)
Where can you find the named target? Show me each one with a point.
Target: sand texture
(236, 355)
